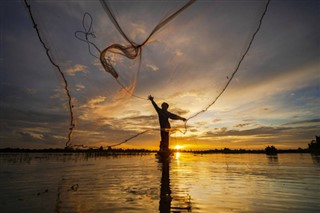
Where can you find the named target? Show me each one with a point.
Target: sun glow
(178, 147)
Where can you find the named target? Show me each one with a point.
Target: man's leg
(164, 143)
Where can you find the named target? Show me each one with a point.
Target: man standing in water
(164, 116)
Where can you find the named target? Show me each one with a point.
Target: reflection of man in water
(164, 116)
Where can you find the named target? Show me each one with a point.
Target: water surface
(140, 183)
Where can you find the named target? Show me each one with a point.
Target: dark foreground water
(194, 183)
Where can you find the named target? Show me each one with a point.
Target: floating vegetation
(314, 146)
(271, 150)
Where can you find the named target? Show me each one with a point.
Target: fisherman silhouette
(164, 116)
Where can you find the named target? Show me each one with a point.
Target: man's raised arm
(154, 103)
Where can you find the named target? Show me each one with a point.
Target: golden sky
(274, 98)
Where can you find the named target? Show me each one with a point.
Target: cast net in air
(184, 53)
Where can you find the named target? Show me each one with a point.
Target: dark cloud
(250, 119)
(141, 121)
(282, 133)
(90, 132)
(26, 137)
(304, 122)
(251, 132)
(141, 118)
(11, 115)
(242, 125)
(29, 137)
(179, 111)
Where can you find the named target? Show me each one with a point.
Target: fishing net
(111, 55)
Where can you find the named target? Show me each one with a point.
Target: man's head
(164, 106)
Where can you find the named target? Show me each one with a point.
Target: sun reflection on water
(177, 155)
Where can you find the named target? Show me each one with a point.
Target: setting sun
(178, 147)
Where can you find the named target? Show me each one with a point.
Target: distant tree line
(313, 148)
(119, 150)
(95, 151)
(253, 151)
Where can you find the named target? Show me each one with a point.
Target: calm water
(194, 183)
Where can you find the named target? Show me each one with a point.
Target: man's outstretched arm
(177, 117)
(154, 103)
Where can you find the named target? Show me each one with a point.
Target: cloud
(78, 68)
(303, 122)
(293, 133)
(107, 107)
(32, 116)
(31, 91)
(201, 123)
(79, 87)
(27, 137)
(178, 111)
(58, 93)
(140, 122)
(178, 53)
(94, 102)
(31, 136)
(249, 119)
(242, 125)
(139, 32)
(153, 67)
(189, 93)
(107, 131)
(272, 85)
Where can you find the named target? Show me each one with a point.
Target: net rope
(238, 64)
(132, 51)
(57, 66)
(226, 85)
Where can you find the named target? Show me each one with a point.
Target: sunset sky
(274, 99)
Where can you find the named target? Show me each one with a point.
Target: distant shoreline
(138, 151)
